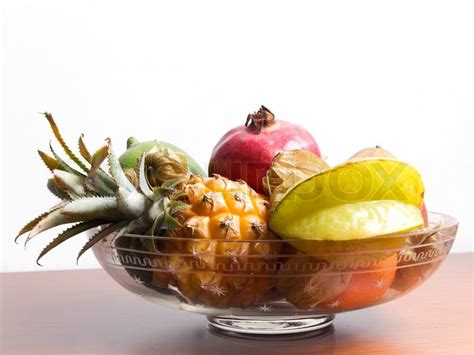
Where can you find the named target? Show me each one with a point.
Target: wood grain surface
(86, 312)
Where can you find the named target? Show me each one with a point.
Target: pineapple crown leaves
(71, 183)
(63, 144)
(116, 170)
(67, 234)
(99, 236)
(31, 224)
(142, 179)
(51, 220)
(62, 164)
(83, 149)
(51, 185)
(97, 179)
(93, 198)
(51, 163)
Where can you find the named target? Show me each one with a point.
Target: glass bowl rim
(447, 223)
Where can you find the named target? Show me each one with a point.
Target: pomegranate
(245, 152)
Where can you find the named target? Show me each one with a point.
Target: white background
(354, 73)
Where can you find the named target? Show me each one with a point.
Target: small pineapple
(210, 221)
(215, 251)
(117, 201)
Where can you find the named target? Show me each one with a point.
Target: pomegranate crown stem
(262, 118)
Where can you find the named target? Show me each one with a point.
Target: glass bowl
(274, 287)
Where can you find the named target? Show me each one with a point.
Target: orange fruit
(366, 286)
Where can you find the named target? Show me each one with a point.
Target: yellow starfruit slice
(299, 211)
(358, 220)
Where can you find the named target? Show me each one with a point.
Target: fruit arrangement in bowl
(273, 241)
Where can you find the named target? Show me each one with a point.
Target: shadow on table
(192, 340)
(208, 341)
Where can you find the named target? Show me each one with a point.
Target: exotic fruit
(287, 169)
(198, 225)
(246, 152)
(354, 206)
(367, 153)
(379, 152)
(315, 284)
(139, 200)
(128, 160)
(417, 262)
(210, 261)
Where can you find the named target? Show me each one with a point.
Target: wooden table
(85, 312)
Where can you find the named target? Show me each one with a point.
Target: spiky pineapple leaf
(62, 164)
(56, 191)
(94, 183)
(149, 244)
(63, 144)
(170, 222)
(162, 218)
(56, 163)
(53, 219)
(49, 161)
(100, 235)
(98, 158)
(116, 170)
(67, 234)
(157, 224)
(97, 177)
(138, 226)
(171, 184)
(131, 203)
(72, 184)
(31, 224)
(120, 233)
(97, 207)
(176, 206)
(160, 192)
(83, 149)
(142, 180)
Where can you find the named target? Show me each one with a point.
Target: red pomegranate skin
(243, 153)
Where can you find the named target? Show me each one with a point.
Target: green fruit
(135, 149)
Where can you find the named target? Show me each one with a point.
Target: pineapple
(118, 202)
(219, 245)
(212, 221)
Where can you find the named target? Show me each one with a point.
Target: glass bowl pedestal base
(268, 326)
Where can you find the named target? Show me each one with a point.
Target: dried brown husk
(306, 282)
(132, 176)
(288, 168)
(411, 271)
(162, 164)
